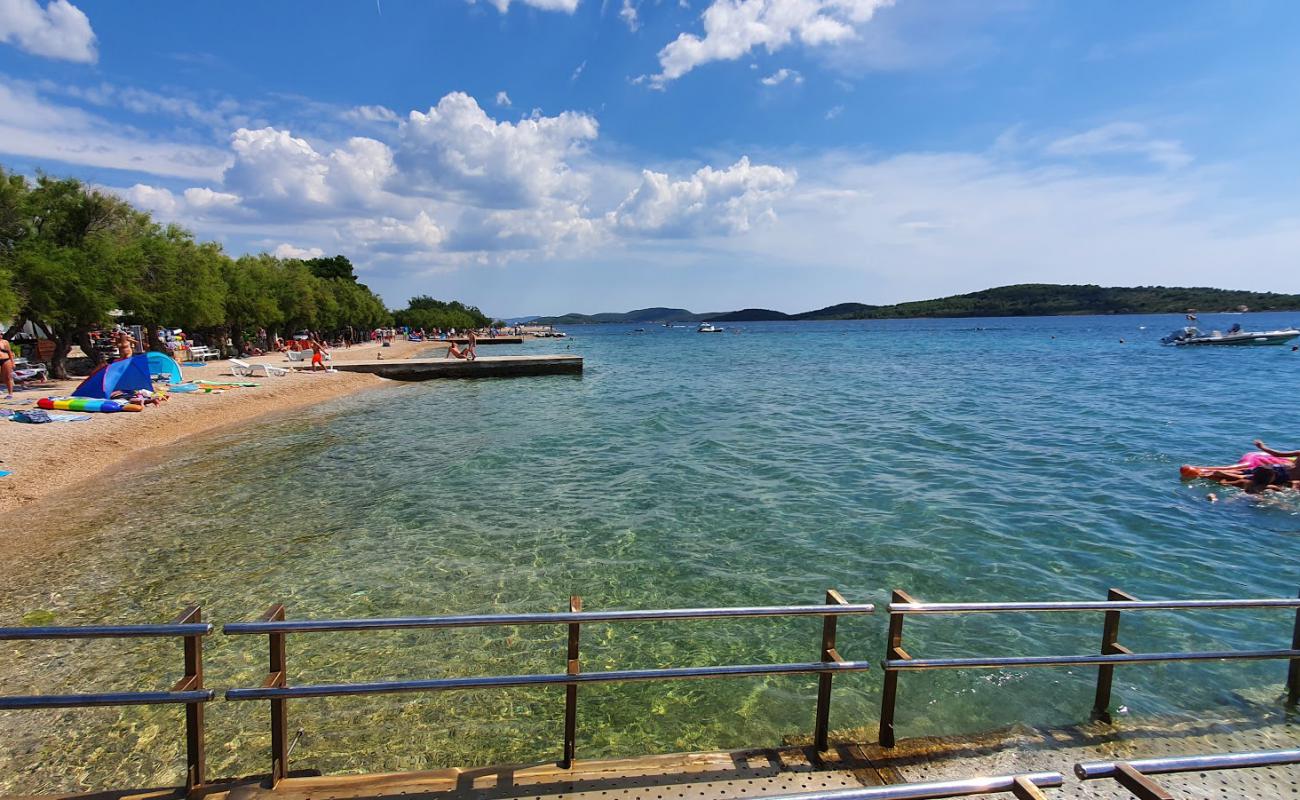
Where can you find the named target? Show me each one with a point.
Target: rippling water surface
(960, 460)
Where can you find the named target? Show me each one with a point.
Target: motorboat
(708, 327)
(1233, 336)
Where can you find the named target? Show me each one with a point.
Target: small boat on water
(1233, 336)
(707, 327)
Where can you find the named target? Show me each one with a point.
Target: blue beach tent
(163, 365)
(126, 375)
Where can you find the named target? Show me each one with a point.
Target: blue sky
(545, 156)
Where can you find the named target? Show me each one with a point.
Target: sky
(551, 156)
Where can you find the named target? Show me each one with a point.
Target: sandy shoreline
(45, 459)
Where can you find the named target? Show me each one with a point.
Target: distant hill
(1020, 300)
(750, 315)
(640, 315)
(1047, 299)
(840, 311)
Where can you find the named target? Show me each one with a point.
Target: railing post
(1109, 646)
(276, 678)
(195, 758)
(893, 650)
(571, 691)
(1140, 785)
(821, 727)
(1293, 671)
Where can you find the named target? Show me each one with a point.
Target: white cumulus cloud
(457, 151)
(276, 171)
(503, 99)
(781, 76)
(733, 28)
(710, 202)
(59, 30)
(287, 250)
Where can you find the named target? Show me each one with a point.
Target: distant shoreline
(1021, 300)
(1295, 309)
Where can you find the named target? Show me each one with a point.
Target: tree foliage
(427, 313)
(70, 255)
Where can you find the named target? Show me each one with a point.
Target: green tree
(334, 268)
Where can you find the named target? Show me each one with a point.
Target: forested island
(1019, 300)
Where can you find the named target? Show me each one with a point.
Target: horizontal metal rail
(1088, 605)
(933, 790)
(105, 631)
(188, 691)
(554, 618)
(105, 699)
(1110, 655)
(1093, 770)
(506, 681)
(277, 691)
(1083, 661)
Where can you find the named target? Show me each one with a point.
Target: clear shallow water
(960, 460)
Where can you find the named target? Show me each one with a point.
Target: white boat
(1233, 336)
(707, 327)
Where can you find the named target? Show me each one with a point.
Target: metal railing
(1025, 787)
(188, 690)
(1112, 653)
(277, 690)
(1134, 775)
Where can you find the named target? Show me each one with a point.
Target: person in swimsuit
(1261, 479)
(470, 352)
(455, 352)
(124, 345)
(317, 355)
(7, 367)
(1263, 456)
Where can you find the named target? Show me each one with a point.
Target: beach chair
(269, 371)
(25, 371)
(203, 353)
(302, 355)
(241, 369)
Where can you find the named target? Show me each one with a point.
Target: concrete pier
(423, 369)
(482, 340)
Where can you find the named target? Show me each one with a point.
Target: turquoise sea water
(995, 459)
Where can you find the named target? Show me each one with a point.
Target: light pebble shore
(48, 459)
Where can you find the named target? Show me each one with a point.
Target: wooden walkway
(423, 369)
(696, 776)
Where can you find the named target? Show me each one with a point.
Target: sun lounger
(203, 353)
(247, 370)
(25, 371)
(302, 355)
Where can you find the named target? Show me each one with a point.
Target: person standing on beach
(317, 354)
(470, 352)
(124, 345)
(7, 367)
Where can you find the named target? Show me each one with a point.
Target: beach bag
(35, 416)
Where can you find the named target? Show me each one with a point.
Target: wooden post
(1293, 671)
(1024, 789)
(821, 727)
(571, 691)
(1140, 785)
(276, 672)
(893, 650)
(195, 758)
(1109, 646)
